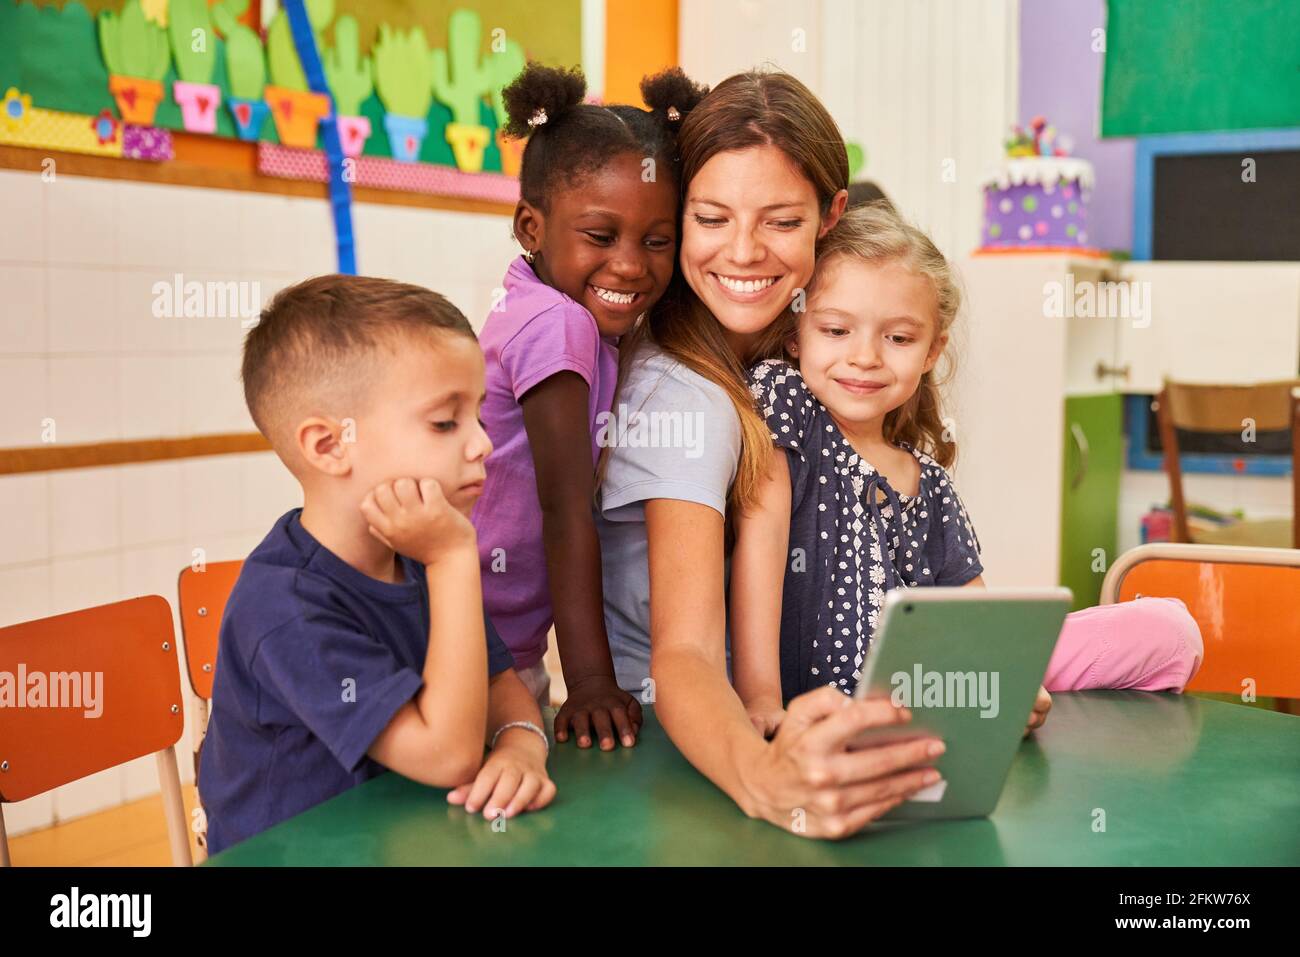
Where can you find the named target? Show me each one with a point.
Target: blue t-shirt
(314, 659)
(852, 536)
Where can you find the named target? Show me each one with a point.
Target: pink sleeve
(1148, 644)
(561, 339)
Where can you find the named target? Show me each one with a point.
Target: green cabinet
(1094, 460)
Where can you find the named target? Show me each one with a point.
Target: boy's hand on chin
(415, 519)
(1042, 705)
(513, 778)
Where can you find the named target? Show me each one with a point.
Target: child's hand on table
(415, 519)
(1042, 705)
(599, 703)
(513, 779)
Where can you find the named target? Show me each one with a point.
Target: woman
(765, 175)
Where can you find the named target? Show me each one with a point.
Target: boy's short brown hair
(319, 345)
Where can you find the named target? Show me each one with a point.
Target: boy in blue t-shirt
(355, 638)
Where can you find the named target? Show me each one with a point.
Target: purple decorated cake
(1037, 199)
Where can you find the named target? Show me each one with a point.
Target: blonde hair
(875, 233)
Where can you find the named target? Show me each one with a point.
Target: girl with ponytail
(597, 220)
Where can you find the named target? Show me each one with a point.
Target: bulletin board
(414, 85)
(1200, 65)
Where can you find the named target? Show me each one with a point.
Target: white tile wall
(80, 344)
(919, 84)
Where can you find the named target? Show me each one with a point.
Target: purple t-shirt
(538, 332)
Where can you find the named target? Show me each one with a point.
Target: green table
(1180, 781)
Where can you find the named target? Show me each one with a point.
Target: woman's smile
(745, 288)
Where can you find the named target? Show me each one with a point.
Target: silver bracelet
(521, 724)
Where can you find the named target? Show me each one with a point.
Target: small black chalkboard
(1205, 210)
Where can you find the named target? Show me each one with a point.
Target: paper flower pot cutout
(136, 54)
(512, 153)
(15, 109)
(296, 115)
(351, 80)
(353, 133)
(461, 79)
(468, 141)
(245, 69)
(198, 103)
(250, 115)
(137, 98)
(405, 135)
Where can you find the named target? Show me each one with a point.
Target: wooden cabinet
(1211, 322)
(1093, 463)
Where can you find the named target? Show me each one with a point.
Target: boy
(355, 638)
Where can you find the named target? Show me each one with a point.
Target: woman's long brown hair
(759, 108)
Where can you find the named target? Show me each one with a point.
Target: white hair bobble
(674, 114)
(538, 118)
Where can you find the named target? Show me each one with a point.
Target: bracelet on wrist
(527, 725)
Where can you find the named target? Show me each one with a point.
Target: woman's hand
(808, 782)
(598, 704)
(1042, 705)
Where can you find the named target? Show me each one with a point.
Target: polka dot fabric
(852, 536)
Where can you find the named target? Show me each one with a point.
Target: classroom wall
(79, 344)
(928, 87)
(1060, 78)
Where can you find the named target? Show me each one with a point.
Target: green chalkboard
(1200, 65)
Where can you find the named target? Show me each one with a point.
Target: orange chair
(203, 595)
(1246, 601)
(91, 690)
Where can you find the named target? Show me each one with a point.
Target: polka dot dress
(852, 536)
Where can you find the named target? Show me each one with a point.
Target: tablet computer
(967, 662)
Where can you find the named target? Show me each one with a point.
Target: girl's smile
(866, 340)
(608, 241)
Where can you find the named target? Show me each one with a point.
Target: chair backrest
(1271, 406)
(1245, 600)
(203, 597)
(87, 691)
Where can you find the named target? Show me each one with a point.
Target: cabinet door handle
(1104, 370)
(1081, 442)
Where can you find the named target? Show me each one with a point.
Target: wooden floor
(133, 835)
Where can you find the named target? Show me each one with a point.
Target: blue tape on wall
(340, 191)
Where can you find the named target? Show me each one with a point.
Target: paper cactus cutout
(155, 11)
(286, 69)
(403, 71)
(245, 64)
(502, 68)
(132, 46)
(346, 70)
(460, 78)
(190, 27)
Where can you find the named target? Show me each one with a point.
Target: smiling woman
(764, 172)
